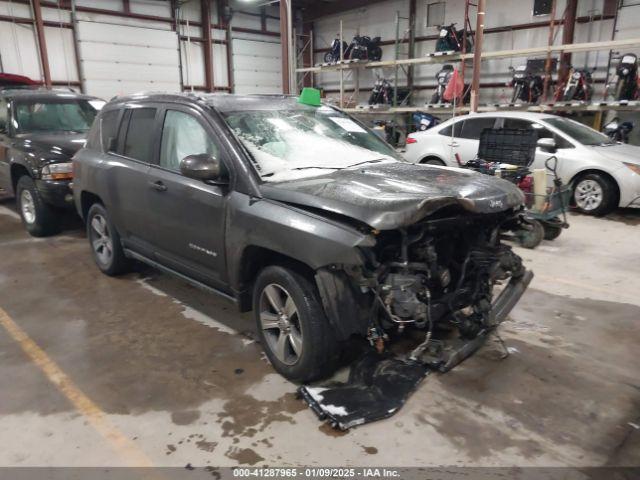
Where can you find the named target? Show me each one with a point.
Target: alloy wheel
(101, 239)
(588, 195)
(280, 324)
(27, 207)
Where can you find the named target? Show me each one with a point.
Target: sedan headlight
(58, 171)
(634, 167)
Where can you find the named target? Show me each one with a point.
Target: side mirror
(547, 145)
(201, 166)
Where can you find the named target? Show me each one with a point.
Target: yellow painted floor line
(121, 445)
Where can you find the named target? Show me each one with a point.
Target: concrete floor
(145, 369)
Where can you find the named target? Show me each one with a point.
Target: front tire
(292, 327)
(594, 194)
(38, 217)
(105, 242)
(570, 94)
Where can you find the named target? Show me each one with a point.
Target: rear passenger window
(108, 128)
(137, 143)
(473, 127)
(452, 129)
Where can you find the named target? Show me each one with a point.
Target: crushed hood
(393, 195)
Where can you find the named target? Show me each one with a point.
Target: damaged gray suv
(302, 214)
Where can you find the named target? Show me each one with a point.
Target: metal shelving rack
(400, 63)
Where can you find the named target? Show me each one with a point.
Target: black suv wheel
(105, 242)
(292, 326)
(38, 218)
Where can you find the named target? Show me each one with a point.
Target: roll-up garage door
(119, 59)
(257, 66)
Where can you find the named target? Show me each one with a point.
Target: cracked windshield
(306, 142)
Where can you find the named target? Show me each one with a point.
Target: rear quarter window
(104, 127)
(452, 130)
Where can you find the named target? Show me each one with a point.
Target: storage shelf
(630, 105)
(449, 57)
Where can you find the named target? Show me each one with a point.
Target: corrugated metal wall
(121, 55)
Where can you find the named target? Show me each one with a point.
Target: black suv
(40, 130)
(299, 212)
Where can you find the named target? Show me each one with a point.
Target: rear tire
(38, 217)
(293, 329)
(594, 194)
(376, 54)
(105, 242)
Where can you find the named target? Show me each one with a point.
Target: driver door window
(183, 135)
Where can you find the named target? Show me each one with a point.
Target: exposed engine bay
(437, 274)
(440, 271)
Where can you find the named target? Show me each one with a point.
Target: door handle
(159, 186)
(454, 144)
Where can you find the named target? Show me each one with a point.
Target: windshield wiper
(340, 168)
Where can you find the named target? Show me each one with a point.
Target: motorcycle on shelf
(628, 84)
(333, 55)
(442, 77)
(451, 39)
(618, 131)
(579, 85)
(527, 86)
(364, 48)
(383, 91)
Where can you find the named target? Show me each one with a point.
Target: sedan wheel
(588, 195)
(280, 324)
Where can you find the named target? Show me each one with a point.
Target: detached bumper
(508, 297)
(56, 192)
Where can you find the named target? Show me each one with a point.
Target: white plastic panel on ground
(256, 66)
(119, 60)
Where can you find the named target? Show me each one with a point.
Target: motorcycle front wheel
(328, 57)
(517, 91)
(569, 94)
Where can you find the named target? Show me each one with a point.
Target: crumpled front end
(441, 271)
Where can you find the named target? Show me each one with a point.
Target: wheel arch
(602, 173)
(431, 156)
(255, 258)
(87, 199)
(18, 170)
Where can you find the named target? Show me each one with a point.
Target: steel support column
(567, 38)
(206, 47)
(477, 51)
(284, 42)
(42, 43)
